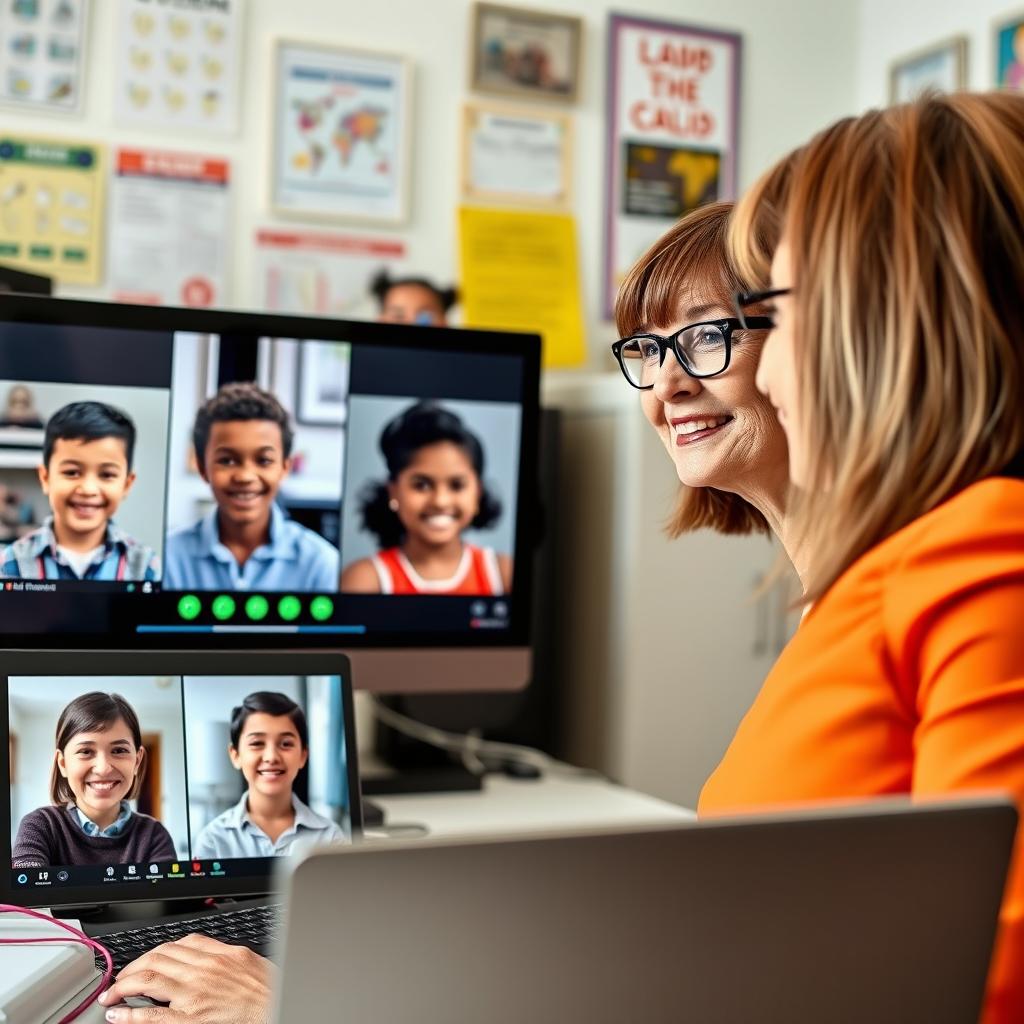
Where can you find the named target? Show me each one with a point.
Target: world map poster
(341, 131)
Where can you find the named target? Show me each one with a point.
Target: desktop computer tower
(530, 717)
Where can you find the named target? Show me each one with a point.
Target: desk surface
(530, 805)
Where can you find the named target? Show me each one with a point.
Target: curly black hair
(420, 425)
(243, 400)
(382, 283)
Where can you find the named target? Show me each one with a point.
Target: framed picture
(321, 384)
(1010, 53)
(673, 113)
(942, 67)
(43, 57)
(512, 155)
(518, 51)
(341, 135)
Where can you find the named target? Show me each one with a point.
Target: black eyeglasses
(703, 350)
(742, 300)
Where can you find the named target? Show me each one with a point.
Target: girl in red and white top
(433, 494)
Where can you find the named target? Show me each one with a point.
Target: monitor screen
(179, 477)
(137, 777)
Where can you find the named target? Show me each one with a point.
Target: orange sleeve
(955, 623)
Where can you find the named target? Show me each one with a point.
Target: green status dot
(257, 607)
(189, 607)
(223, 607)
(321, 608)
(289, 608)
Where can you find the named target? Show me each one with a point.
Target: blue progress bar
(250, 629)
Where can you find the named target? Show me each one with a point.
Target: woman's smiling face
(100, 767)
(719, 431)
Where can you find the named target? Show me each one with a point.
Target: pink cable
(76, 936)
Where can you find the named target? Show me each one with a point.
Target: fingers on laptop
(198, 976)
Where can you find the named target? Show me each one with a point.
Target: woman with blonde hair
(896, 366)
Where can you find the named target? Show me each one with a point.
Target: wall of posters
(515, 155)
(321, 274)
(169, 224)
(673, 97)
(42, 53)
(520, 272)
(51, 207)
(177, 64)
(341, 134)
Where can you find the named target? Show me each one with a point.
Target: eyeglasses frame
(741, 299)
(728, 326)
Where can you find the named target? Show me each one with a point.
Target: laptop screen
(135, 784)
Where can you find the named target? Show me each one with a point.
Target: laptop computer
(878, 912)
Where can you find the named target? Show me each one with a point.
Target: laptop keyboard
(255, 927)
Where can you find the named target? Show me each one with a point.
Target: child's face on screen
(85, 482)
(269, 753)
(244, 465)
(100, 768)
(438, 493)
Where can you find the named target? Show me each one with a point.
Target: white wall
(890, 31)
(799, 70)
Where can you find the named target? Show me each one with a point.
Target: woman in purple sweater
(98, 766)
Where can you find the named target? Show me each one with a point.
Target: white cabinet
(663, 644)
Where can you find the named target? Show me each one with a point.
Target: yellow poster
(51, 207)
(520, 273)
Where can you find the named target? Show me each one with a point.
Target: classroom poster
(673, 96)
(520, 272)
(177, 65)
(516, 155)
(319, 273)
(169, 228)
(42, 56)
(341, 134)
(51, 207)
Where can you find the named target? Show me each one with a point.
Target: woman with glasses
(693, 363)
(896, 366)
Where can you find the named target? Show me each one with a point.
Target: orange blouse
(906, 677)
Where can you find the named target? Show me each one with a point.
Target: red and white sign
(169, 228)
(320, 273)
(673, 109)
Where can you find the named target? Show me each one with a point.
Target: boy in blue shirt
(243, 444)
(86, 473)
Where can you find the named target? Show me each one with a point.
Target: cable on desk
(471, 748)
(78, 937)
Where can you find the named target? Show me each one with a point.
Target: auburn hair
(695, 249)
(904, 227)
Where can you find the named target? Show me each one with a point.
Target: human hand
(202, 980)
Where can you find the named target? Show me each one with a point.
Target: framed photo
(1010, 53)
(942, 67)
(673, 113)
(512, 155)
(341, 137)
(321, 385)
(518, 51)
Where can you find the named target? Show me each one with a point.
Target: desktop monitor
(175, 745)
(215, 480)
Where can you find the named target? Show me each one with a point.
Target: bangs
(693, 254)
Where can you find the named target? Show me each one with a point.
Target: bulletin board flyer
(169, 228)
(51, 207)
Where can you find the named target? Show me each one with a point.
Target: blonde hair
(908, 271)
(694, 249)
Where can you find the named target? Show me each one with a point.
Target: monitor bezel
(29, 309)
(181, 663)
